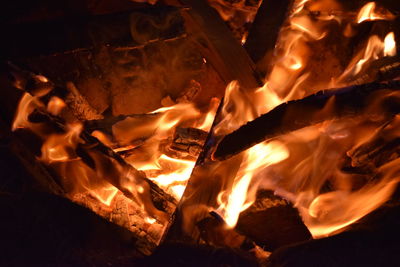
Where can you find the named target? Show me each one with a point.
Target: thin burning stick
(297, 114)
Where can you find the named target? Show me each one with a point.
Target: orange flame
(390, 45)
(308, 159)
(368, 13)
(257, 158)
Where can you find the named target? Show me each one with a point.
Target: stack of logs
(111, 66)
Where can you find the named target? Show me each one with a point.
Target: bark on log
(297, 114)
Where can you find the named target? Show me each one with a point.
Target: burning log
(102, 162)
(272, 222)
(263, 34)
(203, 188)
(257, 226)
(322, 106)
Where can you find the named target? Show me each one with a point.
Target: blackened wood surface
(297, 114)
(265, 29)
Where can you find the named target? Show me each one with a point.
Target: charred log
(265, 29)
(272, 222)
(297, 114)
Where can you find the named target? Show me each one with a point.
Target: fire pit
(198, 132)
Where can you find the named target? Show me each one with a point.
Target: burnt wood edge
(264, 31)
(348, 101)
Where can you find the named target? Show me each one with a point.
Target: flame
(105, 194)
(257, 157)
(159, 125)
(176, 179)
(55, 105)
(368, 13)
(25, 107)
(57, 147)
(375, 49)
(309, 159)
(390, 45)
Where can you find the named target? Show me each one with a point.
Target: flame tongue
(243, 193)
(369, 12)
(309, 162)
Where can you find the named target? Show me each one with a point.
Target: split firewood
(382, 148)
(217, 44)
(264, 31)
(322, 106)
(204, 186)
(383, 69)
